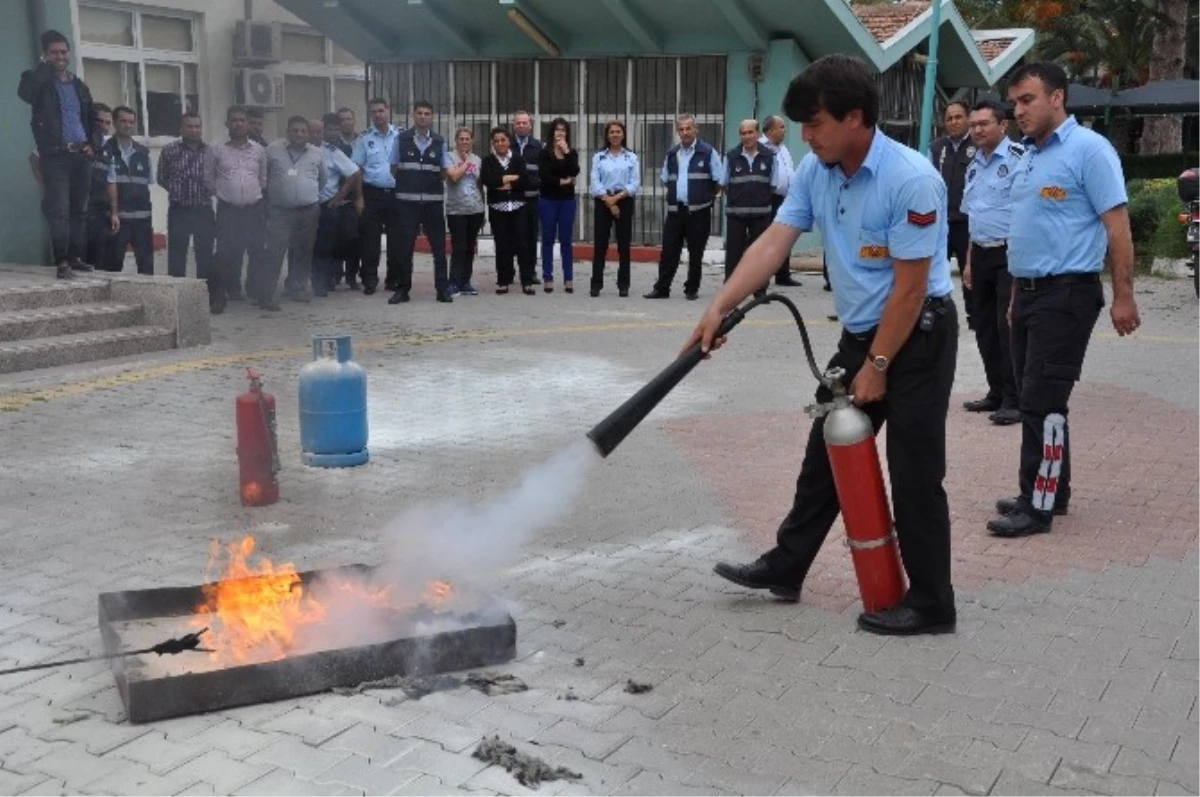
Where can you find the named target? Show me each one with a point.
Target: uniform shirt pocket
(873, 252)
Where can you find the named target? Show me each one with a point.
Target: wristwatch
(880, 362)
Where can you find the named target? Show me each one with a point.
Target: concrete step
(31, 295)
(26, 355)
(67, 319)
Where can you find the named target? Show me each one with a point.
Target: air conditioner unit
(258, 87)
(257, 42)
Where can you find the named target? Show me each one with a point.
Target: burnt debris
(528, 771)
(636, 687)
(496, 683)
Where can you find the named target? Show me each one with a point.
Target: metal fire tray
(155, 688)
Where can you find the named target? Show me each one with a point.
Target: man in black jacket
(952, 155)
(62, 129)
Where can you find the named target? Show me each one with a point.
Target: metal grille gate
(645, 93)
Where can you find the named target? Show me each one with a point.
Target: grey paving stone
(222, 773)
(1071, 776)
(862, 779)
(133, 779)
(442, 733)
(313, 729)
(377, 748)
(356, 772)
(427, 786)
(12, 783)
(49, 786)
(1155, 743)
(594, 744)
(157, 753)
(973, 779)
(1135, 763)
(295, 756)
(74, 765)
(232, 739)
(18, 748)
(1011, 784)
(430, 759)
(653, 783)
(282, 783)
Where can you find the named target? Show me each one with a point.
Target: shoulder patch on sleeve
(1016, 149)
(922, 219)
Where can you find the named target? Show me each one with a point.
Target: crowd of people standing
(326, 196)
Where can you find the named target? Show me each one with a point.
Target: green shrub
(1154, 208)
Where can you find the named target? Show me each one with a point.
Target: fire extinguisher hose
(609, 433)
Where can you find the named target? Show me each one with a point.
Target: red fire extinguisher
(257, 446)
(850, 441)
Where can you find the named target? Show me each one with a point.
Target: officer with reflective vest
(751, 179)
(952, 154)
(529, 148)
(988, 205)
(129, 178)
(99, 214)
(692, 173)
(1070, 213)
(419, 161)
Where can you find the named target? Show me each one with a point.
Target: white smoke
(470, 546)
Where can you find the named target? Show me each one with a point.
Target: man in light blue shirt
(1069, 214)
(774, 138)
(988, 207)
(692, 173)
(337, 229)
(882, 210)
(373, 154)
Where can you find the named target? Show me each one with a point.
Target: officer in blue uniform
(1068, 210)
(881, 208)
(130, 177)
(751, 178)
(988, 207)
(373, 155)
(420, 161)
(692, 173)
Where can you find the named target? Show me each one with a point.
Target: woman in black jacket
(503, 175)
(558, 166)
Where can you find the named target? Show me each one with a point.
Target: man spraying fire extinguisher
(882, 210)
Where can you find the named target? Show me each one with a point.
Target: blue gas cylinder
(333, 406)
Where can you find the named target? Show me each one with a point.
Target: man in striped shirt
(190, 214)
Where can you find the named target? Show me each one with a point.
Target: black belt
(938, 304)
(1037, 283)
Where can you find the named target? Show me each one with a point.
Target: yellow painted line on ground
(19, 400)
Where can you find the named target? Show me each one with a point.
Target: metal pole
(935, 20)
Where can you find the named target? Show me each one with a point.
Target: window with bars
(645, 93)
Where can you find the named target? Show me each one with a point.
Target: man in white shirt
(774, 133)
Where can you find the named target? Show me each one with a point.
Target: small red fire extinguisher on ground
(866, 513)
(257, 446)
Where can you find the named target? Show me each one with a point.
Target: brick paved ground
(1074, 668)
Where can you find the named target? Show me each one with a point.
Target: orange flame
(255, 611)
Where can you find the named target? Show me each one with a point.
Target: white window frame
(330, 71)
(141, 56)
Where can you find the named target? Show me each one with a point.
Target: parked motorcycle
(1188, 185)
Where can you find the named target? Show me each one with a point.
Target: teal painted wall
(745, 99)
(22, 228)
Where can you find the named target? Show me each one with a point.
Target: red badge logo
(922, 219)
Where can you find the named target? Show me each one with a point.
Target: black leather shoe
(691, 297)
(63, 272)
(79, 265)
(903, 621)
(1005, 416)
(656, 294)
(368, 289)
(444, 296)
(1007, 506)
(757, 575)
(787, 282)
(595, 293)
(623, 293)
(398, 297)
(1020, 522)
(985, 404)
(271, 305)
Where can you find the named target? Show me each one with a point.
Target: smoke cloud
(471, 545)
